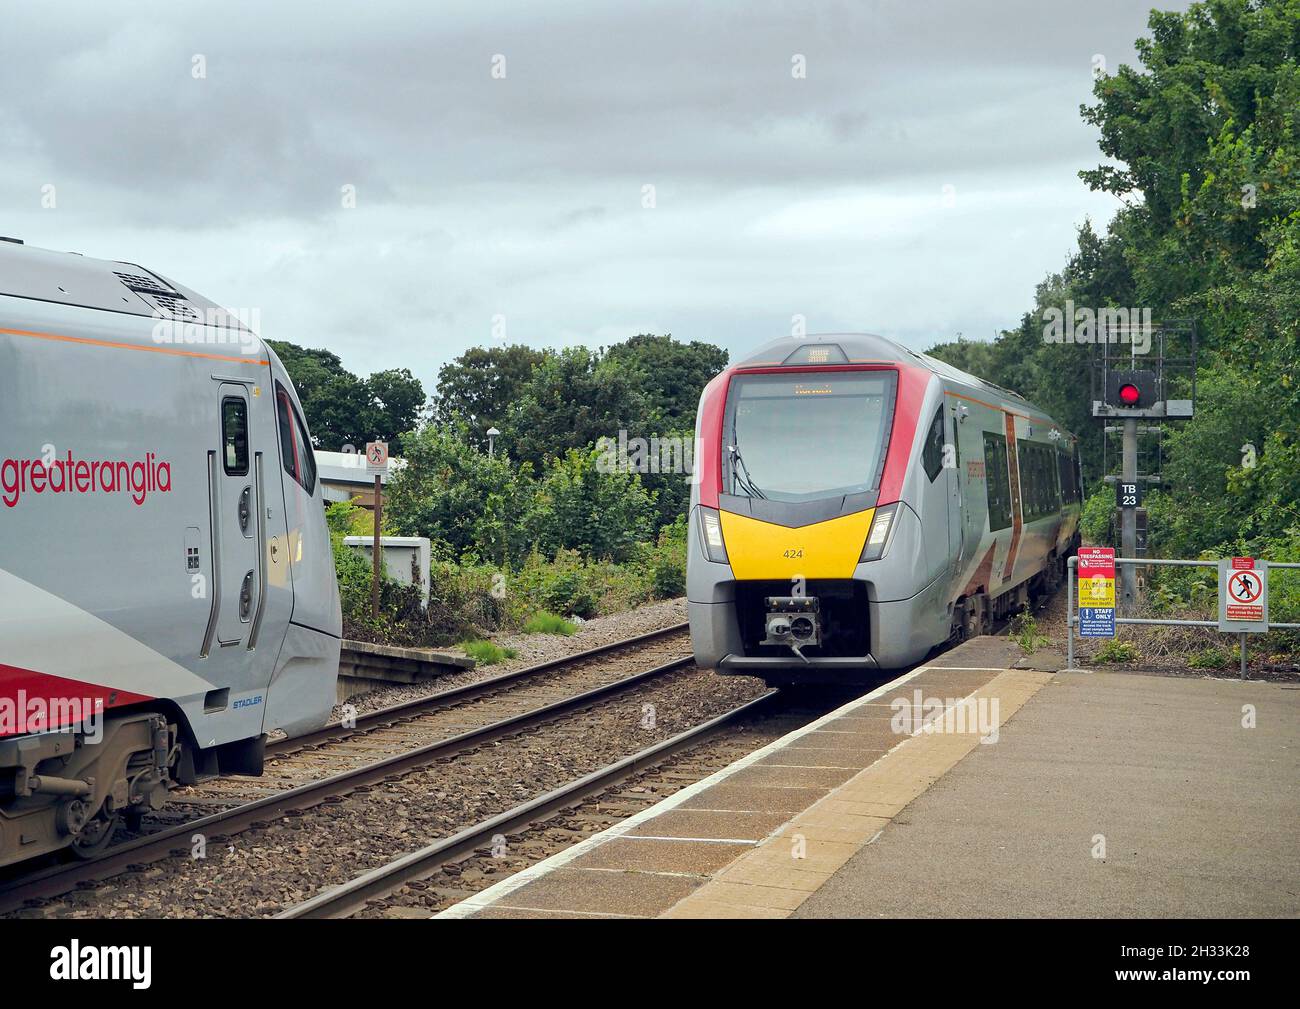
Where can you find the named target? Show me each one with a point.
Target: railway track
(421, 736)
(344, 900)
(481, 689)
(418, 733)
(407, 726)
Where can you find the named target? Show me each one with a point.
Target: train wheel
(95, 835)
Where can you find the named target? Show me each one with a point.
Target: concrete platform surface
(757, 837)
(1109, 795)
(968, 787)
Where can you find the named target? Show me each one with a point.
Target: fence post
(1070, 566)
(1243, 655)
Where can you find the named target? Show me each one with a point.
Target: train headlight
(882, 524)
(711, 532)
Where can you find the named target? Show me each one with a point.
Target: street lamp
(492, 440)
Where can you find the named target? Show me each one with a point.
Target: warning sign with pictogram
(1243, 595)
(1096, 592)
(376, 456)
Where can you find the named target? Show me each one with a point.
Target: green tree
(1204, 133)
(396, 398)
(577, 507)
(575, 398)
(454, 494)
(481, 385)
(671, 374)
(342, 409)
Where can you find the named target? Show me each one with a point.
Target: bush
(1210, 658)
(354, 576)
(578, 507)
(1098, 513)
(454, 494)
(668, 561)
(568, 593)
(546, 622)
(347, 518)
(1117, 651)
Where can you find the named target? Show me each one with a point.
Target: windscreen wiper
(742, 475)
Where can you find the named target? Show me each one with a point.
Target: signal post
(1160, 385)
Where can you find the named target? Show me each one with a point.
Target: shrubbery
(474, 600)
(541, 526)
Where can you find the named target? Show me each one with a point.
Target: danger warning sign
(1243, 595)
(1096, 592)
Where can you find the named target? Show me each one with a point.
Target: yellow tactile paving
(756, 839)
(773, 878)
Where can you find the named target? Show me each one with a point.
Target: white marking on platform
(495, 893)
(697, 840)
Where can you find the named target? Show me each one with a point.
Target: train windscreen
(807, 435)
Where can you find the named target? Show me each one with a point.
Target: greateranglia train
(167, 589)
(857, 504)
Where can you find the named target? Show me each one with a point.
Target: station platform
(971, 786)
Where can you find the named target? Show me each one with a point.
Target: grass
(1210, 658)
(546, 622)
(485, 653)
(1025, 633)
(1117, 651)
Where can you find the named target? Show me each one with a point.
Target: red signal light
(1129, 394)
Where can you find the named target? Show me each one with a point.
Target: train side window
(932, 454)
(1049, 494)
(997, 482)
(1042, 483)
(1058, 485)
(234, 435)
(295, 450)
(1029, 501)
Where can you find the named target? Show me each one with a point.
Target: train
(857, 505)
(167, 586)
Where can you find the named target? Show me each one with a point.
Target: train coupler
(793, 621)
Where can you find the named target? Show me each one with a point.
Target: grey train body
(164, 556)
(954, 558)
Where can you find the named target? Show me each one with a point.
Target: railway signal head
(1131, 390)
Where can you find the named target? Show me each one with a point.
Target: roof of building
(350, 467)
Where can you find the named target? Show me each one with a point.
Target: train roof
(868, 348)
(69, 278)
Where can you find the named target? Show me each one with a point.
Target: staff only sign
(1243, 595)
(1096, 592)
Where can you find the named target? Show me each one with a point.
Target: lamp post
(492, 440)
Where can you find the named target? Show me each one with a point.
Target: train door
(235, 521)
(936, 458)
(955, 475)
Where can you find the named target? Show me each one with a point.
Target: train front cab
(817, 554)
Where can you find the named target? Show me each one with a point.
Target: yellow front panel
(763, 550)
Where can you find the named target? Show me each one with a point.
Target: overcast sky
(523, 196)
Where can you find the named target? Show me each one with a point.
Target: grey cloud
(521, 196)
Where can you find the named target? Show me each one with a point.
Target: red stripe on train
(1017, 523)
(35, 702)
